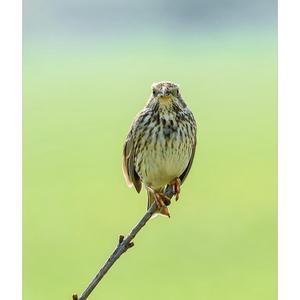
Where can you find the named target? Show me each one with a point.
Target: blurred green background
(88, 67)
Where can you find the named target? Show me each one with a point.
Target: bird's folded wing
(129, 172)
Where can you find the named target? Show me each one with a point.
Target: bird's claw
(176, 183)
(162, 201)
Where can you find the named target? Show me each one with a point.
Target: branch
(123, 246)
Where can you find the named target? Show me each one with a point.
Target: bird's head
(166, 93)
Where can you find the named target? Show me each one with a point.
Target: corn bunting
(160, 146)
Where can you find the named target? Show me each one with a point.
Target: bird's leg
(166, 200)
(176, 183)
(162, 202)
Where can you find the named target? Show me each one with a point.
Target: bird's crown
(167, 84)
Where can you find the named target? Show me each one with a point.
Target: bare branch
(123, 245)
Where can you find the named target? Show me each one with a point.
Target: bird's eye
(154, 93)
(175, 92)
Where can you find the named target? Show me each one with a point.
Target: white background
(289, 150)
(10, 150)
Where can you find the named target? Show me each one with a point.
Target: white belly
(164, 162)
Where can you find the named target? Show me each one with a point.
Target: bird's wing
(187, 170)
(131, 176)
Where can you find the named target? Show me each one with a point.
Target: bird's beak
(164, 91)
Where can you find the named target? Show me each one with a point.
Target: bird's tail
(150, 199)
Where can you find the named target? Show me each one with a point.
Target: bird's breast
(164, 151)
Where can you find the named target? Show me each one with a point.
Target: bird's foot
(162, 201)
(176, 183)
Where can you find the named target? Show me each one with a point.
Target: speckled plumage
(161, 143)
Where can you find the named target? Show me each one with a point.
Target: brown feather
(188, 168)
(129, 172)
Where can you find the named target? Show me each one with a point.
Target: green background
(79, 100)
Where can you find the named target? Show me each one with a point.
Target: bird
(160, 146)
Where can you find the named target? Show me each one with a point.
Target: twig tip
(131, 244)
(121, 239)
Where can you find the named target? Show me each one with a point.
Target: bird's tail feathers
(150, 199)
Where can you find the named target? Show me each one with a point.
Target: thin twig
(123, 246)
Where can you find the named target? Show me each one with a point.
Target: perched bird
(160, 146)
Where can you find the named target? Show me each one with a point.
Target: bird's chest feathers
(167, 131)
(167, 151)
